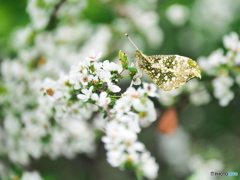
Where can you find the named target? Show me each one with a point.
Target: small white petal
(81, 96)
(94, 97)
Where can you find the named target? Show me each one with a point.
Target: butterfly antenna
(131, 41)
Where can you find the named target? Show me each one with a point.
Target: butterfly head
(139, 54)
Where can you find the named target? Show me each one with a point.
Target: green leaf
(133, 71)
(105, 115)
(124, 59)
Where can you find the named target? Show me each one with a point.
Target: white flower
(18, 156)
(21, 37)
(121, 133)
(75, 69)
(12, 69)
(79, 76)
(131, 119)
(116, 158)
(94, 97)
(12, 125)
(59, 139)
(132, 157)
(51, 88)
(93, 56)
(39, 16)
(31, 176)
(198, 93)
(226, 97)
(85, 78)
(146, 110)
(122, 105)
(113, 87)
(104, 75)
(34, 131)
(232, 42)
(151, 89)
(139, 104)
(98, 65)
(212, 62)
(33, 147)
(167, 98)
(86, 94)
(75, 127)
(214, 9)
(121, 144)
(111, 66)
(222, 90)
(149, 166)
(132, 93)
(177, 14)
(129, 137)
(103, 100)
(114, 130)
(223, 81)
(137, 79)
(200, 97)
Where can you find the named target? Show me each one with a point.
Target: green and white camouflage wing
(168, 72)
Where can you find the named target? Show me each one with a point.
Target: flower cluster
(34, 126)
(222, 90)
(95, 79)
(133, 110)
(94, 84)
(223, 68)
(197, 94)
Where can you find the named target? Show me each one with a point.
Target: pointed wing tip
(198, 75)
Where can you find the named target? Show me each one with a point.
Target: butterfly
(168, 72)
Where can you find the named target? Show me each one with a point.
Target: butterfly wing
(169, 72)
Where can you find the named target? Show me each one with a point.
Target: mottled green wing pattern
(168, 72)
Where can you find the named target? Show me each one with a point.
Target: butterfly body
(168, 72)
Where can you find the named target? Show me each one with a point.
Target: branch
(53, 16)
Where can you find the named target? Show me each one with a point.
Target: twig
(53, 16)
